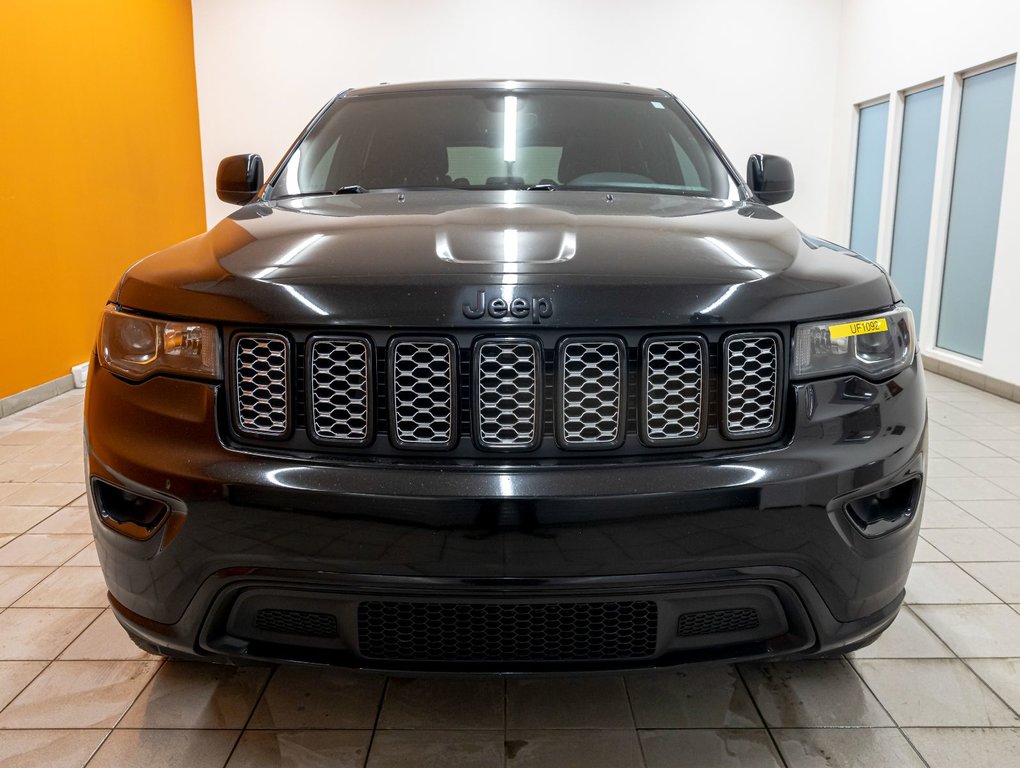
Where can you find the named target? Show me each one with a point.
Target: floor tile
(1002, 579)
(27, 472)
(69, 472)
(813, 694)
(907, 638)
(41, 633)
(971, 545)
(437, 749)
(104, 639)
(301, 749)
(32, 549)
(974, 630)
(299, 698)
(68, 587)
(926, 553)
(195, 695)
(941, 583)
(165, 749)
(941, 467)
(21, 519)
(580, 702)
(42, 494)
(445, 704)
(998, 514)
(66, 520)
(79, 694)
(699, 697)
(709, 749)
(967, 747)
(968, 489)
(87, 556)
(571, 749)
(846, 748)
(15, 677)
(17, 580)
(964, 448)
(49, 749)
(991, 467)
(946, 514)
(1002, 676)
(934, 692)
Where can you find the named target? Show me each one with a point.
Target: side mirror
(770, 178)
(239, 178)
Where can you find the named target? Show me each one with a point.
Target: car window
(495, 139)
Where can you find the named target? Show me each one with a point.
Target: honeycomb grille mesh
(506, 394)
(423, 393)
(751, 384)
(674, 386)
(591, 393)
(507, 631)
(716, 622)
(296, 622)
(261, 380)
(340, 390)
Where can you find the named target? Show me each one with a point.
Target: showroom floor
(941, 688)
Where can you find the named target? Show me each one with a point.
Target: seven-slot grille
(508, 381)
(591, 393)
(750, 384)
(339, 389)
(674, 390)
(261, 384)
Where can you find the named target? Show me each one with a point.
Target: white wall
(886, 47)
(759, 75)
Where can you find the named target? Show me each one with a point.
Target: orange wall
(99, 165)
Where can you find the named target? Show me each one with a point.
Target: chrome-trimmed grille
(423, 392)
(673, 390)
(507, 389)
(340, 389)
(261, 384)
(591, 395)
(750, 385)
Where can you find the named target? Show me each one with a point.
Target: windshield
(488, 139)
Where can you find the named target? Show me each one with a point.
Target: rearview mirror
(239, 178)
(770, 178)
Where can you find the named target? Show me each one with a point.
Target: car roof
(514, 85)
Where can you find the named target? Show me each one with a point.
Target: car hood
(421, 259)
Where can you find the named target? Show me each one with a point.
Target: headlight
(138, 347)
(874, 345)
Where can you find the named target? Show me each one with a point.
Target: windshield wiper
(541, 188)
(350, 189)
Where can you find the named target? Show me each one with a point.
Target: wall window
(871, 129)
(914, 193)
(974, 210)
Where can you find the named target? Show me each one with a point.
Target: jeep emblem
(537, 308)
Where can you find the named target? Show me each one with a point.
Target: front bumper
(255, 531)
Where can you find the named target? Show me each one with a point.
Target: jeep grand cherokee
(505, 377)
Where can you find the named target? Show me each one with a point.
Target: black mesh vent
(717, 622)
(296, 622)
(507, 631)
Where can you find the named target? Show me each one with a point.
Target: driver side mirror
(770, 178)
(239, 178)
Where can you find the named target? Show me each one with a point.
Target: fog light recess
(884, 511)
(137, 517)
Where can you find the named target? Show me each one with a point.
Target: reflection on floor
(941, 687)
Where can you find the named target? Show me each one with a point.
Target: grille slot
(423, 393)
(507, 631)
(508, 382)
(717, 622)
(673, 390)
(591, 396)
(750, 385)
(340, 391)
(261, 380)
(296, 622)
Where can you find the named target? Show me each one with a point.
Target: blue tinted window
(868, 179)
(974, 212)
(915, 187)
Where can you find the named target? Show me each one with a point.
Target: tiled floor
(940, 688)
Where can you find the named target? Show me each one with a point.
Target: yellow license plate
(859, 328)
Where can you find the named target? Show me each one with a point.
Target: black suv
(505, 377)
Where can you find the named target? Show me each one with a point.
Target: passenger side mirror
(770, 178)
(239, 178)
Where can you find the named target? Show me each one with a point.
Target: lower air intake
(717, 622)
(296, 622)
(404, 631)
